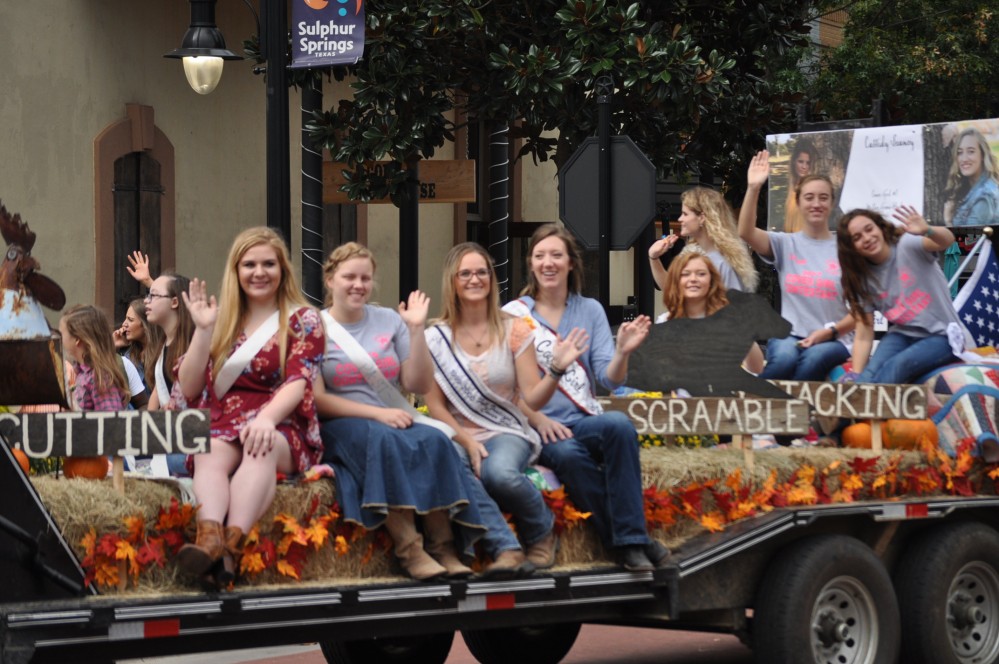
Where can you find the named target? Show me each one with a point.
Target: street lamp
(203, 49)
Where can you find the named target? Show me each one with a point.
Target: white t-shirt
(135, 384)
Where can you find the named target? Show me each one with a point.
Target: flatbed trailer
(845, 583)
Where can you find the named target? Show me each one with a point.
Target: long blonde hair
(958, 186)
(93, 329)
(232, 299)
(339, 256)
(451, 303)
(720, 225)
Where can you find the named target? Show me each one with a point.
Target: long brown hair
(571, 247)
(451, 303)
(232, 300)
(673, 298)
(93, 329)
(185, 326)
(855, 269)
(146, 352)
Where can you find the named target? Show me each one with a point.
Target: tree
(930, 60)
(695, 79)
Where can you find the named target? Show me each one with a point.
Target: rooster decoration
(31, 366)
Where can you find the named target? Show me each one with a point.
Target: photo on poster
(948, 171)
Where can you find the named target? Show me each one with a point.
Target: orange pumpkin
(22, 460)
(895, 434)
(91, 468)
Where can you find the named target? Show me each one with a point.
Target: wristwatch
(832, 328)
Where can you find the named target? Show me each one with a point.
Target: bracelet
(929, 232)
(555, 372)
(832, 328)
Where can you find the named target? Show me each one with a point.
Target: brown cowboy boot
(440, 544)
(401, 527)
(234, 539)
(197, 558)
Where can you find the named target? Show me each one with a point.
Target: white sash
(162, 393)
(575, 384)
(390, 396)
(239, 360)
(473, 398)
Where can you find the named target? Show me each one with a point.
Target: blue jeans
(504, 479)
(498, 535)
(785, 360)
(900, 358)
(600, 468)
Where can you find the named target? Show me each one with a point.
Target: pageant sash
(389, 395)
(470, 396)
(240, 359)
(575, 384)
(162, 393)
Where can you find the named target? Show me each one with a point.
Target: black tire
(544, 644)
(948, 594)
(826, 599)
(421, 649)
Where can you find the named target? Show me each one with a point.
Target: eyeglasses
(152, 296)
(466, 275)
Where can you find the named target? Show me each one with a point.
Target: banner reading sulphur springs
(326, 32)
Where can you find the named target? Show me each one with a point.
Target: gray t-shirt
(911, 291)
(385, 337)
(810, 287)
(729, 276)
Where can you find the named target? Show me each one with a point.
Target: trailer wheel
(543, 644)
(826, 600)
(948, 594)
(421, 649)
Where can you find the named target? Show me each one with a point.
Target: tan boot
(415, 561)
(440, 544)
(207, 549)
(508, 565)
(542, 554)
(234, 540)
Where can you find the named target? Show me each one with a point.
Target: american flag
(977, 302)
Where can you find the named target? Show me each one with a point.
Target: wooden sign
(867, 401)
(730, 416)
(441, 181)
(95, 433)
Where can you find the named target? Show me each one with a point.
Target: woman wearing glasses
(484, 363)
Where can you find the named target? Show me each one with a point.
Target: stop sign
(633, 193)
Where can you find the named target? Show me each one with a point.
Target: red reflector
(154, 629)
(916, 511)
(500, 602)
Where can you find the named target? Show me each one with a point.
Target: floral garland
(286, 546)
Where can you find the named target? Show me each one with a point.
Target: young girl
(809, 272)
(595, 453)
(100, 375)
(252, 359)
(484, 363)
(390, 464)
(973, 182)
(900, 276)
(140, 340)
(707, 221)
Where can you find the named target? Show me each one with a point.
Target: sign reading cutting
(95, 433)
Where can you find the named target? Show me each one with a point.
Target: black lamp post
(203, 52)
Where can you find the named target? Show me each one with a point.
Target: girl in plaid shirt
(100, 376)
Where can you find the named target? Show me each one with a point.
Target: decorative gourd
(22, 460)
(91, 468)
(895, 434)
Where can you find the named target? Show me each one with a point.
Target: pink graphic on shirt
(832, 267)
(907, 307)
(811, 284)
(383, 340)
(795, 259)
(347, 373)
(905, 277)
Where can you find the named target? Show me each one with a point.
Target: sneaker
(657, 553)
(542, 554)
(633, 559)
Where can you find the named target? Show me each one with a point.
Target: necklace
(482, 337)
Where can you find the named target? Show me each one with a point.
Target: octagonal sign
(633, 193)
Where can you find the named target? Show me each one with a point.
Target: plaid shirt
(88, 398)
